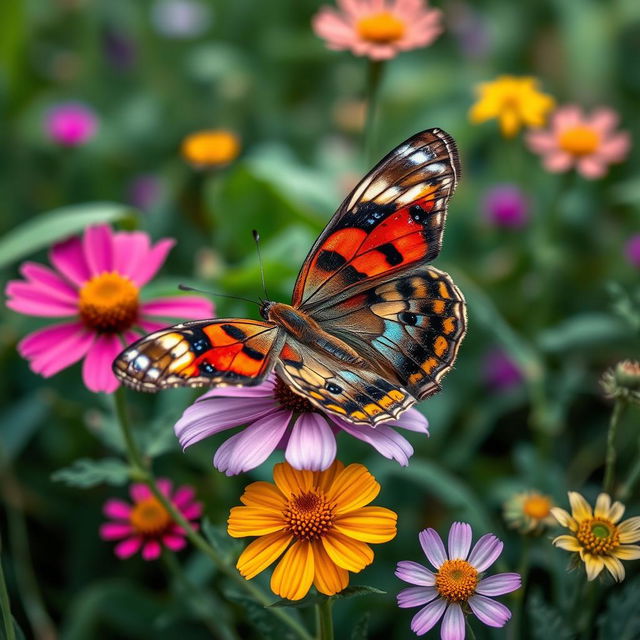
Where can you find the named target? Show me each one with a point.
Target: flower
(529, 512)
(514, 100)
(623, 381)
(147, 525)
(180, 19)
(501, 373)
(214, 148)
(456, 583)
(96, 285)
(597, 536)
(632, 250)
(505, 205)
(71, 124)
(588, 143)
(319, 520)
(378, 29)
(278, 417)
(145, 191)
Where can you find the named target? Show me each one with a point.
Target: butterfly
(371, 329)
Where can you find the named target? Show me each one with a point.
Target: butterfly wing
(393, 219)
(201, 353)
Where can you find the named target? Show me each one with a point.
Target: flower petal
(68, 258)
(412, 420)
(416, 596)
(627, 552)
(485, 552)
(195, 307)
(629, 530)
(127, 548)
(415, 573)
(354, 487)
(117, 509)
(329, 578)
(593, 565)
(252, 521)
(312, 444)
(564, 518)
(459, 541)
(580, 508)
(263, 495)
(151, 550)
(616, 511)
(150, 264)
(184, 496)
(368, 524)
(452, 623)
(568, 543)
(346, 552)
(97, 248)
(290, 480)
(31, 300)
(603, 504)
(96, 368)
(293, 576)
(139, 492)
(499, 584)
(48, 280)
(428, 616)
(492, 613)
(323, 480)
(115, 530)
(262, 552)
(614, 566)
(432, 546)
(174, 542)
(130, 249)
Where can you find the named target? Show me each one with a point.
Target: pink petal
(566, 117)
(262, 390)
(499, 584)
(332, 27)
(47, 337)
(312, 444)
(542, 141)
(453, 623)
(32, 300)
(416, 596)
(129, 250)
(117, 509)
(175, 543)
(411, 420)
(415, 573)
(115, 530)
(139, 492)
(192, 511)
(96, 244)
(128, 547)
(432, 546)
(195, 307)
(485, 552)
(428, 616)
(165, 485)
(154, 259)
(184, 496)
(150, 326)
(459, 540)
(615, 148)
(151, 550)
(492, 613)
(603, 120)
(591, 167)
(96, 369)
(49, 280)
(68, 258)
(558, 161)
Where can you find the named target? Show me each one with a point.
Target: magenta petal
(459, 541)
(129, 250)
(492, 613)
(253, 445)
(184, 496)
(175, 543)
(312, 444)
(428, 616)
(416, 596)
(415, 573)
(96, 369)
(165, 485)
(432, 546)
(412, 420)
(34, 300)
(139, 492)
(151, 550)
(117, 509)
(485, 552)
(192, 511)
(128, 547)
(499, 584)
(150, 326)
(115, 530)
(43, 339)
(195, 307)
(68, 258)
(154, 259)
(96, 244)
(46, 278)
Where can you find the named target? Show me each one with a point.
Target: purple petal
(262, 390)
(415, 573)
(492, 613)
(499, 584)
(485, 552)
(416, 596)
(428, 616)
(459, 540)
(312, 444)
(253, 445)
(453, 624)
(412, 420)
(432, 546)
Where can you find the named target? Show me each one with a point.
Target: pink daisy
(146, 525)
(457, 585)
(71, 124)
(279, 418)
(588, 143)
(96, 285)
(378, 29)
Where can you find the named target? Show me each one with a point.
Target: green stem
(472, 635)
(632, 478)
(518, 596)
(5, 605)
(374, 80)
(325, 631)
(609, 471)
(193, 536)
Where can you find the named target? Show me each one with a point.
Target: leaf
(85, 473)
(545, 621)
(361, 627)
(353, 591)
(621, 619)
(55, 225)
(220, 540)
(20, 422)
(583, 330)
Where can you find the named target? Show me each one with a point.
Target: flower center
(456, 580)
(149, 518)
(536, 506)
(109, 302)
(289, 399)
(381, 28)
(598, 536)
(309, 515)
(579, 141)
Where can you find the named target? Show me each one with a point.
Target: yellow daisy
(597, 536)
(514, 100)
(318, 519)
(529, 512)
(213, 148)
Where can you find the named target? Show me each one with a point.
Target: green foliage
(621, 618)
(545, 621)
(85, 473)
(352, 591)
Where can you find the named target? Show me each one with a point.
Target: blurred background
(553, 293)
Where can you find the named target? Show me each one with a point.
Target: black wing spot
(418, 214)
(233, 331)
(391, 254)
(368, 214)
(254, 354)
(409, 318)
(375, 392)
(351, 275)
(333, 388)
(330, 260)
(206, 368)
(405, 288)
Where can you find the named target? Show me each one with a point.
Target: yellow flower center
(211, 148)
(456, 580)
(598, 536)
(149, 518)
(579, 141)
(109, 303)
(309, 516)
(537, 507)
(381, 28)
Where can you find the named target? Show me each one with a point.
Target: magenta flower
(501, 373)
(632, 250)
(505, 205)
(95, 285)
(279, 418)
(71, 124)
(146, 525)
(457, 582)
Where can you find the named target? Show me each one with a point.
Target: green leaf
(85, 473)
(583, 330)
(20, 422)
(56, 225)
(220, 540)
(353, 591)
(545, 621)
(621, 620)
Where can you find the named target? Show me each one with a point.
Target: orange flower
(318, 519)
(214, 148)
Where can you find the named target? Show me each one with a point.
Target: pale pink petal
(615, 148)
(542, 141)
(49, 280)
(591, 167)
(459, 541)
(129, 250)
(312, 444)
(115, 530)
(566, 117)
(416, 596)
(117, 509)
(68, 258)
(453, 623)
(151, 550)
(96, 368)
(499, 584)
(154, 259)
(194, 307)
(432, 546)
(558, 161)
(492, 613)
(175, 543)
(127, 548)
(32, 300)
(415, 573)
(603, 120)
(485, 552)
(96, 244)
(139, 492)
(333, 28)
(428, 616)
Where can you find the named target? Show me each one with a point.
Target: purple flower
(500, 371)
(456, 582)
(71, 124)
(120, 49)
(144, 191)
(505, 205)
(180, 18)
(632, 250)
(279, 418)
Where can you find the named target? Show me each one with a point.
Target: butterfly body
(371, 329)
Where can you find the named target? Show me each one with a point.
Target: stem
(632, 478)
(325, 619)
(374, 80)
(193, 536)
(472, 635)
(5, 605)
(618, 410)
(518, 596)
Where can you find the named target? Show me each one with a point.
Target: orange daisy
(318, 519)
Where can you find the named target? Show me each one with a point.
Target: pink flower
(95, 284)
(632, 250)
(588, 143)
(279, 418)
(147, 525)
(71, 124)
(378, 29)
(457, 585)
(505, 205)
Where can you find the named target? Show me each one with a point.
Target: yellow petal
(593, 564)
(509, 122)
(354, 487)
(251, 521)
(603, 503)
(324, 479)
(346, 552)
(290, 480)
(629, 530)
(614, 566)
(263, 495)
(262, 552)
(329, 578)
(616, 512)
(484, 110)
(369, 524)
(580, 508)
(627, 552)
(564, 518)
(568, 543)
(293, 576)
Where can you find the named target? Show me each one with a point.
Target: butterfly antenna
(256, 237)
(186, 287)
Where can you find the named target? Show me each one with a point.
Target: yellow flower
(318, 519)
(514, 101)
(597, 536)
(214, 148)
(529, 512)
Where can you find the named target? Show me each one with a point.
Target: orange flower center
(309, 516)
(456, 580)
(381, 28)
(149, 518)
(289, 399)
(579, 141)
(598, 536)
(109, 303)
(211, 148)
(537, 506)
